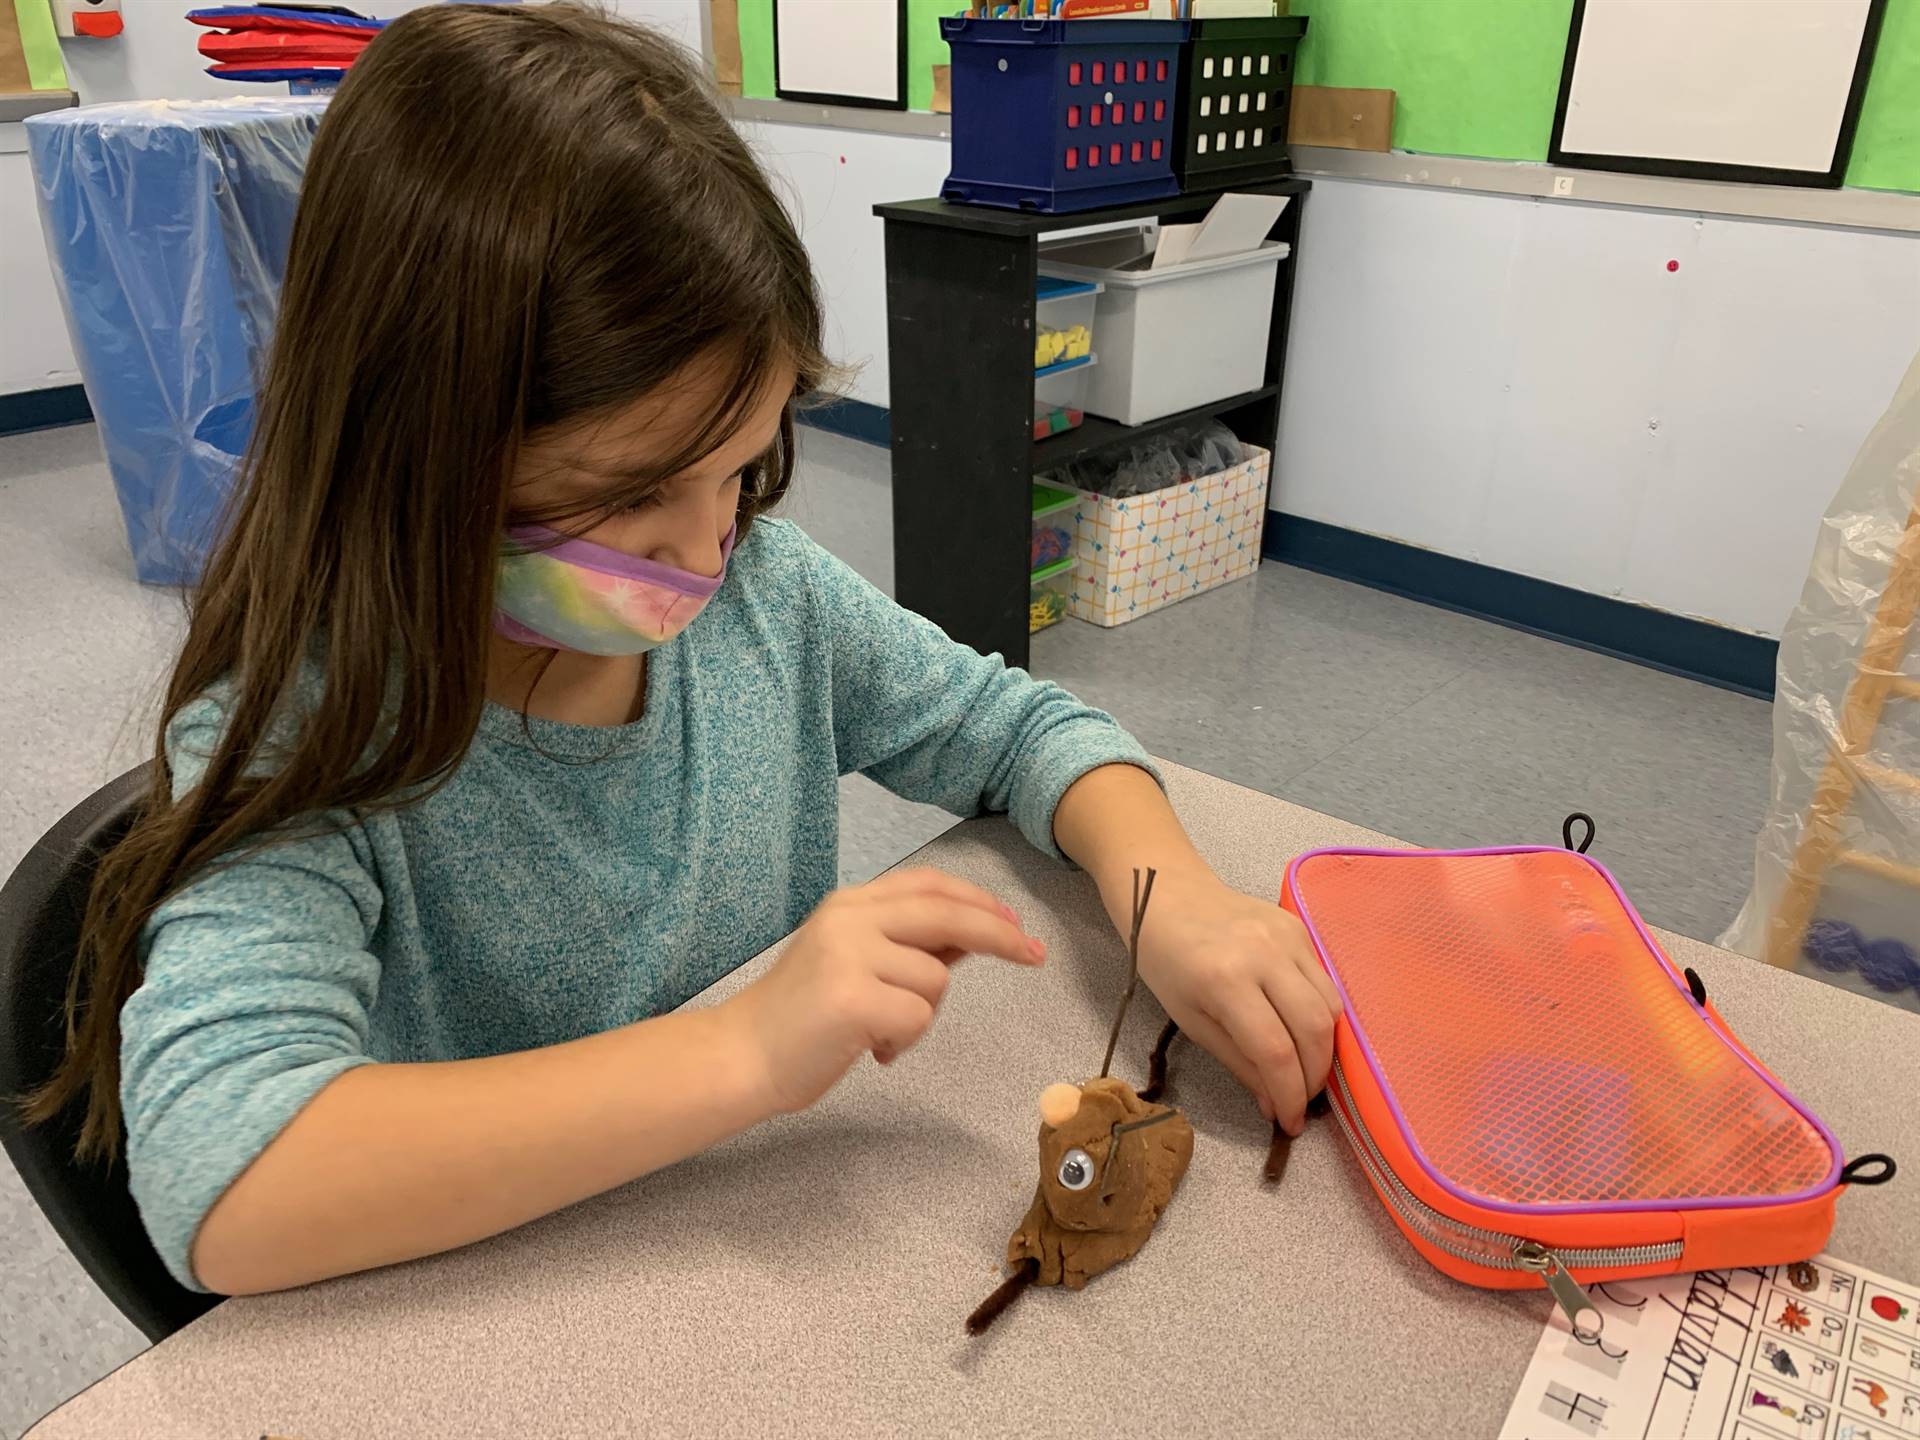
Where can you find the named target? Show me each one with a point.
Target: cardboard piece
(1235, 10)
(15, 79)
(727, 72)
(1346, 119)
(1174, 246)
(942, 102)
(1236, 223)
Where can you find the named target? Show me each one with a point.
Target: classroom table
(811, 1276)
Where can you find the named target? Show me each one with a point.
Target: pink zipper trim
(1712, 1202)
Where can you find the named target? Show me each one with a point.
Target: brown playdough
(1074, 1234)
(1109, 1163)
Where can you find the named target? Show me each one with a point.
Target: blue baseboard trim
(1673, 643)
(25, 410)
(842, 415)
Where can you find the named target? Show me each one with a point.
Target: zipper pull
(1581, 1313)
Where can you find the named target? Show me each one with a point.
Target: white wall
(1518, 382)
(1524, 383)
(155, 58)
(831, 180)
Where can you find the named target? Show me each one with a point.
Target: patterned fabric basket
(1147, 551)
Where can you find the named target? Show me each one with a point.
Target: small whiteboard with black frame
(841, 52)
(1763, 91)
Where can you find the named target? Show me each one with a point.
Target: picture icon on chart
(1799, 1365)
(1887, 1401)
(1896, 1309)
(1875, 1393)
(1784, 1414)
(1796, 1319)
(1892, 1358)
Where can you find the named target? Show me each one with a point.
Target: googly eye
(1076, 1170)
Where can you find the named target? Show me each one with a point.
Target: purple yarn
(1836, 947)
(1889, 965)
(1833, 945)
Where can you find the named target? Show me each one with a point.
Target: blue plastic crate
(1063, 115)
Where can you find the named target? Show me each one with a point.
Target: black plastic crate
(1236, 87)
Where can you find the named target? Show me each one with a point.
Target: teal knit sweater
(568, 879)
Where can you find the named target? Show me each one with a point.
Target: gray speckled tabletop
(811, 1277)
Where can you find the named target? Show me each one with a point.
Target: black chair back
(91, 1208)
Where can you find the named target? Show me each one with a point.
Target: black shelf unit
(960, 283)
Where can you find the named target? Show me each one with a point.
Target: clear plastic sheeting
(1141, 465)
(1836, 889)
(167, 223)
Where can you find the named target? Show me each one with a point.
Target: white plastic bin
(1175, 338)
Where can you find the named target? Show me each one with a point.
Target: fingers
(1299, 949)
(1256, 1030)
(934, 922)
(895, 1020)
(913, 970)
(1309, 1023)
(922, 881)
(1205, 1032)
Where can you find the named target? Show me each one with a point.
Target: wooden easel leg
(1875, 677)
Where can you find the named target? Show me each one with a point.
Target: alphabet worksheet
(1819, 1350)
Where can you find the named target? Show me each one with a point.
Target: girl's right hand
(864, 975)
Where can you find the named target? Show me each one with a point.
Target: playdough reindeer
(1109, 1163)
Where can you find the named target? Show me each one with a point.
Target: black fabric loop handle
(1696, 985)
(1851, 1175)
(1566, 831)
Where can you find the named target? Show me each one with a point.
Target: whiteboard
(846, 52)
(1715, 88)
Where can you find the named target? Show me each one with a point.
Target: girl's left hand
(1240, 977)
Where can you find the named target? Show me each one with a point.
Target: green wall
(1480, 77)
(925, 48)
(1470, 77)
(1886, 147)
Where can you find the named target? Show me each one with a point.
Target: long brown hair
(512, 217)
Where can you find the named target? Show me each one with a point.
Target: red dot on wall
(1672, 265)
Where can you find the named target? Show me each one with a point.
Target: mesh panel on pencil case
(1537, 1049)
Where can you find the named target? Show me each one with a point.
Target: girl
(506, 722)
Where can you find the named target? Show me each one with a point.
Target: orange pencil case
(1536, 1094)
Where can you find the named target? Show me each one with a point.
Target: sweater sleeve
(940, 723)
(255, 994)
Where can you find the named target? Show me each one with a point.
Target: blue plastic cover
(167, 223)
(221, 15)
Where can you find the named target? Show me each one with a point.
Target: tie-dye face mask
(574, 595)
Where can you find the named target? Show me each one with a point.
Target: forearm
(392, 1162)
(1115, 820)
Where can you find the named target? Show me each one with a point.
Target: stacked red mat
(283, 42)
